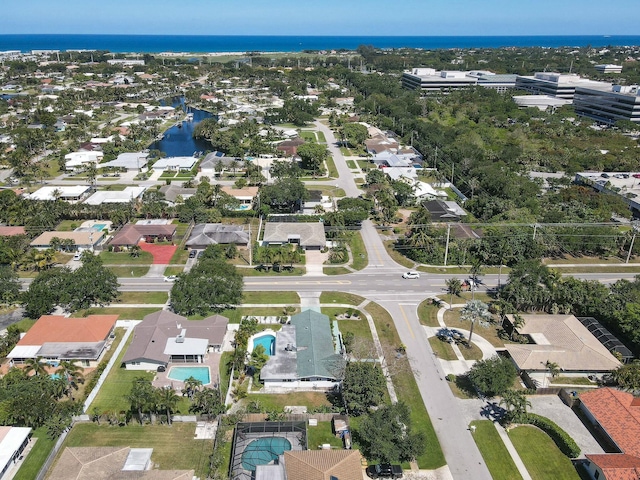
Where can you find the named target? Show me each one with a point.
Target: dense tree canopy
(493, 376)
(212, 285)
(363, 387)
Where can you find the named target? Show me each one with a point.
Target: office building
(608, 105)
(556, 84)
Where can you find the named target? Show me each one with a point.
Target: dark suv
(384, 470)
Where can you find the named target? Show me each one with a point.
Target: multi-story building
(608, 68)
(432, 80)
(556, 84)
(608, 105)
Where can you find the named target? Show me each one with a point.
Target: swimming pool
(99, 226)
(182, 373)
(263, 451)
(268, 342)
(244, 207)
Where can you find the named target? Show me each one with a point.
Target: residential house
(175, 164)
(55, 338)
(615, 415)
(309, 236)
(13, 441)
(304, 355)
(559, 339)
(172, 192)
(164, 337)
(290, 147)
(79, 160)
(129, 194)
(82, 240)
(132, 161)
(205, 234)
(381, 143)
(9, 231)
(444, 211)
(215, 162)
(130, 234)
(323, 464)
(73, 193)
(111, 463)
(244, 195)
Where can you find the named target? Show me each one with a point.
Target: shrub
(564, 442)
(451, 377)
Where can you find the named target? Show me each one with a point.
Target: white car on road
(411, 275)
(170, 278)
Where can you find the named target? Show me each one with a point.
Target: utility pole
(446, 247)
(636, 228)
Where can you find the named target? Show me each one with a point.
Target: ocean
(227, 43)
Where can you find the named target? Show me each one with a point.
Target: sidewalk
(512, 451)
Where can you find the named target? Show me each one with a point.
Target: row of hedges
(564, 442)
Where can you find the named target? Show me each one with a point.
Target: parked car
(77, 256)
(384, 470)
(411, 274)
(193, 253)
(170, 278)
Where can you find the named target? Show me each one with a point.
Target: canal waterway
(178, 141)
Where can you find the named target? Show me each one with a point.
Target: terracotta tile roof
(323, 464)
(10, 231)
(56, 328)
(617, 466)
(614, 412)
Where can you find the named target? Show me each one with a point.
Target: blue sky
(325, 17)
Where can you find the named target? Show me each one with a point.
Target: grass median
(494, 452)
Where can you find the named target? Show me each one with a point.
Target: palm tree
(141, 396)
(475, 311)
(166, 399)
(35, 365)
(191, 386)
(553, 367)
(516, 404)
(454, 287)
(71, 374)
(518, 322)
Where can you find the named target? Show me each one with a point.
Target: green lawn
(543, 459)
(321, 137)
(68, 225)
(428, 313)
(360, 259)
(331, 168)
(335, 271)
(129, 272)
(472, 352)
(442, 349)
(180, 257)
(308, 136)
(37, 456)
(494, 452)
(113, 393)
(120, 258)
(321, 434)
(407, 389)
(173, 446)
(271, 297)
(126, 313)
(352, 164)
(143, 297)
(397, 256)
(277, 402)
(225, 372)
(341, 297)
(490, 333)
(173, 270)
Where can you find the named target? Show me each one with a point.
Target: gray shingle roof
(309, 234)
(205, 234)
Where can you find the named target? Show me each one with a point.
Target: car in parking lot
(193, 253)
(411, 274)
(170, 278)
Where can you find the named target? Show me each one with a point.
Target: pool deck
(212, 360)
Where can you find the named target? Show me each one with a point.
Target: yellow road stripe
(406, 319)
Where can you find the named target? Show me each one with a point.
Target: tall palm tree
(166, 399)
(454, 287)
(71, 373)
(475, 311)
(35, 365)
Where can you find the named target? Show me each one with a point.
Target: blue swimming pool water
(99, 226)
(268, 342)
(264, 451)
(244, 207)
(182, 373)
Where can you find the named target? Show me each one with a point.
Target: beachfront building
(608, 104)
